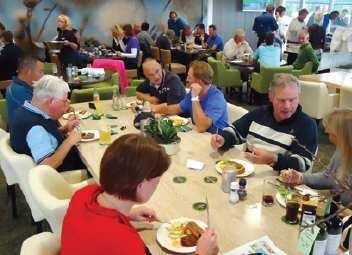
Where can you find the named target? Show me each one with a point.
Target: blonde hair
(239, 32)
(340, 123)
(202, 71)
(65, 19)
(117, 31)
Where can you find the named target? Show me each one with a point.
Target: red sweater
(91, 229)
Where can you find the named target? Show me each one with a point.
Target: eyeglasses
(65, 101)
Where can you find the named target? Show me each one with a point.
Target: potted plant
(164, 133)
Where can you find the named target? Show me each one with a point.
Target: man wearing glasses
(34, 130)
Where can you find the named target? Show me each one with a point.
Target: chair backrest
(307, 68)
(267, 74)
(3, 113)
(219, 55)
(130, 91)
(52, 193)
(45, 243)
(313, 98)
(165, 58)
(346, 97)
(10, 175)
(235, 112)
(140, 59)
(86, 95)
(49, 68)
(19, 164)
(155, 52)
(215, 66)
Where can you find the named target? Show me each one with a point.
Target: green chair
(48, 68)
(86, 95)
(261, 81)
(3, 114)
(219, 55)
(112, 80)
(307, 69)
(225, 78)
(136, 83)
(130, 91)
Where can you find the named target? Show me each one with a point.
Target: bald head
(153, 71)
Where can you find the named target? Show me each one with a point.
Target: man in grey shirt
(145, 40)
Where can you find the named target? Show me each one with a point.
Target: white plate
(183, 121)
(94, 131)
(237, 61)
(248, 167)
(134, 102)
(166, 242)
(66, 116)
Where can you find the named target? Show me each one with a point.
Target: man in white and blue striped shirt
(280, 134)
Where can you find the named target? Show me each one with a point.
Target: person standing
(9, 57)
(176, 23)
(265, 23)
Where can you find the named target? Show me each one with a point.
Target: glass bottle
(96, 96)
(115, 99)
(334, 229)
(320, 242)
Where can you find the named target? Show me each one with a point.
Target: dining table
(235, 224)
(334, 80)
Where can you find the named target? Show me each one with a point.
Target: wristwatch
(195, 98)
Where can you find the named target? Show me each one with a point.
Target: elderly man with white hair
(35, 130)
(237, 46)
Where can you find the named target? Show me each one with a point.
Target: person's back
(163, 42)
(269, 55)
(9, 57)
(91, 229)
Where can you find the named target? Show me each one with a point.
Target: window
(345, 9)
(292, 7)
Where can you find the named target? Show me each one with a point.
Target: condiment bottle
(227, 176)
(234, 198)
(308, 215)
(242, 193)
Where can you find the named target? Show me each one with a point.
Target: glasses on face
(65, 101)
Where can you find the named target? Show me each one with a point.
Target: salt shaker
(234, 198)
(228, 176)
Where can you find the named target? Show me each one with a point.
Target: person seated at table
(119, 40)
(268, 54)
(137, 28)
(187, 36)
(280, 134)
(145, 40)
(201, 37)
(131, 51)
(175, 23)
(9, 56)
(165, 39)
(101, 215)
(237, 46)
(162, 87)
(339, 171)
(204, 103)
(34, 128)
(69, 54)
(30, 70)
(306, 52)
(214, 41)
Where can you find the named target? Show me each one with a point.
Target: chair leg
(11, 191)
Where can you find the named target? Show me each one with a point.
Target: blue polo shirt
(217, 40)
(268, 55)
(176, 25)
(213, 105)
(41, 143)
(16, 94)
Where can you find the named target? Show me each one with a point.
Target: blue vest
(24, 120)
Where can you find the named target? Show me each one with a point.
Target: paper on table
(263, 245)
(304, 190)
(194, 164)
(306, 239)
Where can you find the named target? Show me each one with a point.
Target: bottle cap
(234, 185)
(243, 182)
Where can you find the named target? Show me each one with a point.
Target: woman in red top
(98, 218)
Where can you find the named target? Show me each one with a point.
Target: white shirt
(294, 28)
(232, 50)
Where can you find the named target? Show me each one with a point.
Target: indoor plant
(164, 133)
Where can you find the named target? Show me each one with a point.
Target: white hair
(50, 86)
(239, 32)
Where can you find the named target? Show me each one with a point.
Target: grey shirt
(325, 179)
(145, 38)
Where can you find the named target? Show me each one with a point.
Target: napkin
(93, 71)
(304, 190)
(194, 164)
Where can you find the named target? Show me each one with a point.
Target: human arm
(175, 89)
(72, 45)
(147, 97)
(174, 109)
(207, 243)
(133, 53)
(310, 54)
(69, 126)
(142, 213)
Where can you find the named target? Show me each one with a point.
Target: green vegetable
(162, 131)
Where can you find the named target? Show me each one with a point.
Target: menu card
(263, 246)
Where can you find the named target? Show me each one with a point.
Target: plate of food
(81, 114)
(134, 103)
(89, 135)
(243, 168)
(284, 193)
(180, 235)
(178, 121)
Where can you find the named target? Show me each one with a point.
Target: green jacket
(306, 54)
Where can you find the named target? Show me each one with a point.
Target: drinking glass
(104, 135)
(99, 107)
(292, 207)
(268, 193)
(123, 104)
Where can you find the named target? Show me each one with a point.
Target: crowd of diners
(279, 134)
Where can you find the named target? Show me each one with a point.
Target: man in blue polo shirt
(205, 103)
(34, 129)
(30, 70)
(214, 41)
(176, 23)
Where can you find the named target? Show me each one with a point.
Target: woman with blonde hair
(69, 53)
(119, 40)
(338, 174)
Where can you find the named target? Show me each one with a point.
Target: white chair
(52, 193)
(235, 112)
(346, 97)
(316, 100)
(45, 243)
(10, 177)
